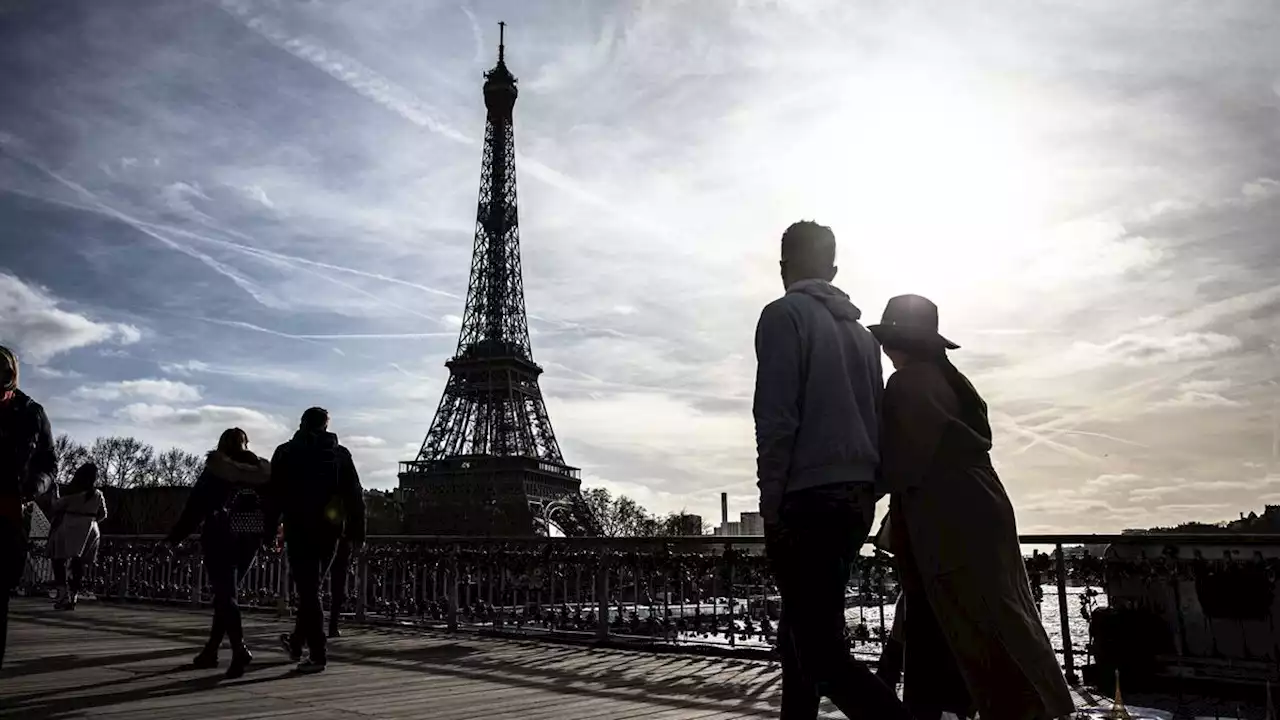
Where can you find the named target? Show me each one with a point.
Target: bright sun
(935, 175)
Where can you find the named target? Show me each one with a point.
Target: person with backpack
(316, 489)
(28, 465)
(226, 506)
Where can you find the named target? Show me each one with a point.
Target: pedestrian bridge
(128, 661)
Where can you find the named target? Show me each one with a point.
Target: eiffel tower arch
(490, 464)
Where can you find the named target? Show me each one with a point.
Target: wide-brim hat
(910, 318)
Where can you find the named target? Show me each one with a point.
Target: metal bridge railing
(706, 592)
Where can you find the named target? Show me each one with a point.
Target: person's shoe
(240, 660)
(310, 667)
(206, 660)
(286, 642)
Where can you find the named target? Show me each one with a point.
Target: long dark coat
(953, 528)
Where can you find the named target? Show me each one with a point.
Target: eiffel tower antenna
(490, 462)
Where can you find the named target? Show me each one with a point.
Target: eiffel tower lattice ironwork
(490, 464)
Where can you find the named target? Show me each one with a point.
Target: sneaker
(294, 652)
(205, 660)
(240, 660)
(310, 667)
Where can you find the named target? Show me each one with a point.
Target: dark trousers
(338, 582)
(309, 560)
(13, 560)
(226, 563)
(70, 580)
(812, 550)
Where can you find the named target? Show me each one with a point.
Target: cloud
(34, 324)
(363, 441)
(205, 415)
(1138, 350)
(1201, 394)
(166, 391)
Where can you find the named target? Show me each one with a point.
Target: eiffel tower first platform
(490, 464)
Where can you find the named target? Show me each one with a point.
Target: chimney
(724, 508)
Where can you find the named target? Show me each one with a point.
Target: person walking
(226, 506)
(973, 639)
(817, 400)
(74, 535)
(316, 489)
(28, 465)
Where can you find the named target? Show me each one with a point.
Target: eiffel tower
(490, 464)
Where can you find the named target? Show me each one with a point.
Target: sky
(222, 212)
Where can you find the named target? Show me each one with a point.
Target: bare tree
(176, 467)
(71, 455)
(123, 462)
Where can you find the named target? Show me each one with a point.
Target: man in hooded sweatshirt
(28, 465)
(315, 487)
(817, 401)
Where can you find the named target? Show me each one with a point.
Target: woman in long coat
(973, 637)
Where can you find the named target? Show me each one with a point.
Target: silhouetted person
(817, 400)
(226, 504)
(972, 634)
(28, 465)
(314, 485)
(74, 535)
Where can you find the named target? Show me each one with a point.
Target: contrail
(345, 69)
(242, 282)
(291, 260)
(318, 337)
(372, 85)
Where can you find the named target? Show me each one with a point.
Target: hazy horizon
(220, 213)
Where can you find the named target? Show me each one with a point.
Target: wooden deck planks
(120, 662)
(117, 662)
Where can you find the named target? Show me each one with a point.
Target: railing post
(452, 579)
(282, 599)
(602, 596)
(1068, 655)
(362, 574)
(197, 580)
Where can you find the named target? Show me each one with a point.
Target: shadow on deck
(115, 661)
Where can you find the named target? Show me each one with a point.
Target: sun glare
(938, 183)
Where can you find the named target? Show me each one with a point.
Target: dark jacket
(818, 394)
(316, 490)
(28, 463)
(221, 478)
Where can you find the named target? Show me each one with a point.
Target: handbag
(244, 512)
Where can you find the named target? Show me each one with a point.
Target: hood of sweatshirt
(321, 440)
(831, 297)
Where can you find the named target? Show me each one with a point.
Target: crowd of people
(308, 495)
(832, 438)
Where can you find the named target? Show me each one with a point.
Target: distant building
(686, 524)
(752, 523)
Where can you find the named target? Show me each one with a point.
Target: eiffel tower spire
(490, 462)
